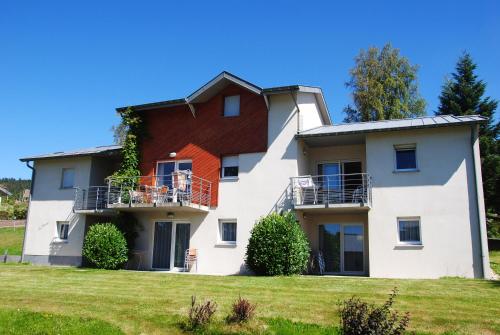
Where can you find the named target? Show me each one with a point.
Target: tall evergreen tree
(384, 86)
(463, 95)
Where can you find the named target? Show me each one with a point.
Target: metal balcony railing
(178, 187)
(331, 189)
(93, 198)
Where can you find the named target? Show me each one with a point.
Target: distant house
(4, 192)
(392, 198)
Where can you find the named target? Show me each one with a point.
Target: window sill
(226, 245)
(406, 171)
(229, 179)
(408, 246)
(66, 188)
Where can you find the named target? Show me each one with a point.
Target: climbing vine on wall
(135, 130)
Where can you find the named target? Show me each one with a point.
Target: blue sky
(65, 66)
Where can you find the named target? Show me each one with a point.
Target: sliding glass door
(342, 247)
(164, 171)
(171, 240)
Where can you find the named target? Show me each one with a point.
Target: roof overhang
(355, 131)
(102, 151)
(217, 84)
(318, 95)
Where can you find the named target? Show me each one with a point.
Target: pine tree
(463, 95)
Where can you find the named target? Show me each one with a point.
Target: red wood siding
(207, 137)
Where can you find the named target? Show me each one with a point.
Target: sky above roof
(66, 65)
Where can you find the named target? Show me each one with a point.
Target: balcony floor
(337, 208)
(174, 206)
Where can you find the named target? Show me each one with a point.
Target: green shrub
(105, 246)
(277, 246)
(358, 317)
(20, 211)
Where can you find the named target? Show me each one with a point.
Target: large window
(68, 178)
(62, 230)
(409, 231)
(232, 105)
(230, 167)
(406, 157)
(227, 230)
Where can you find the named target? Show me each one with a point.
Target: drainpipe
(481, 211)
(32, 187)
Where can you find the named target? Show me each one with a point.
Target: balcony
(180, 190)
(338, 191)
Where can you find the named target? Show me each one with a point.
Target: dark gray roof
(4, 191)
(390, 125)
(95, 151)
(222, 80)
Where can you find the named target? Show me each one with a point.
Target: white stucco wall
(263, 177)
(310, 116)
(441, 193)
(49, 204)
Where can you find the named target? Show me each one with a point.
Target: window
(406, 158)
(232, 105)
(68, 178)
(230, 167)
(227, 231)
(409, 231)
(62, 230)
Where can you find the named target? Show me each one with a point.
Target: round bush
(105, 246)
(277, 246)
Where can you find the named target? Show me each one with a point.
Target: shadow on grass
(274, 326)
(27, 322)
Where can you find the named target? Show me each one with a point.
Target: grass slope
(495, 261)
(25, 322)
(12, 240)
(154, 303)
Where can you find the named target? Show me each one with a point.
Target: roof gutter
(481, 211)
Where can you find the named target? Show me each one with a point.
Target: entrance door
(162, 245)
(342, 247)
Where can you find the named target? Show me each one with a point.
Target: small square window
(230, 167)
(227, 231)
(406, 158)
(62, 230)
(68, 178)
(409, 231)
(232, 105)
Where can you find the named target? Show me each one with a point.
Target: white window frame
(402, 147)
(410, 218)
(59, 224)
(223, 176)
(62, 178)
(235, 97)
(220, 240)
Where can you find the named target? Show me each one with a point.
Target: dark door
(162, 244)
(353, 180)
(182, 233)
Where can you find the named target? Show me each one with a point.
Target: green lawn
(495, 261)
(12, 240)
(155, 303)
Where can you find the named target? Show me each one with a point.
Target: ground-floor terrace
(173, 241)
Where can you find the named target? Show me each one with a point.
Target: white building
(399, 198)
